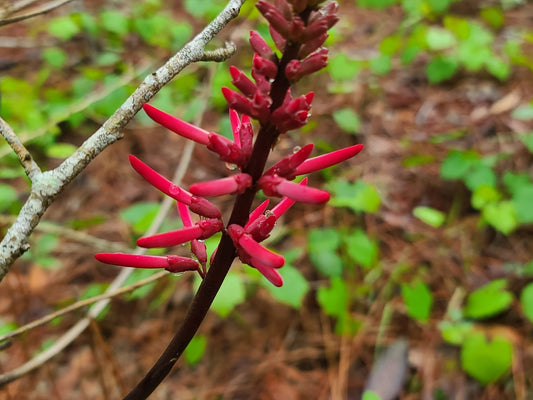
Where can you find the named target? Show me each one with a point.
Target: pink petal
(242, 82)
(285, 203)
(235, 126)
(259, 45)
(232, 184)
(264, 66)
(287, 165)
(203, 207)
(327, 160)
(176, 125)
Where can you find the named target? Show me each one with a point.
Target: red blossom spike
(232, 184)
(292, 113)
(197, 205)
(327, 160)
(287, 165)
(242, 82)
(253, 249)
(260, 46)
(176, 125)
(274, 185)
(274, 16)
(171, 263)
(297, 69)
(202, 230)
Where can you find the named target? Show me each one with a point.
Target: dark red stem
(225, 255)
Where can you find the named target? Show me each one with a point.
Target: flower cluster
(298, 28)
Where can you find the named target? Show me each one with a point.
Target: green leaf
(484, 195)
(515, 181)
(5, 328)
(528, 141)
(523, 204)
(523, 112)
(381, 65)
(8, 196)
(488, 300)
(294, 288)
(195, 349)
(418, 301)
(370, 395)
(526, 298)
(347, 119)
(430, 216)
(140, 215)
(323, 244)
(376, 4)
(493, 16)
(359, 196)
(60, 150)
(455, 332)
(333, 300)
(115, 22)
(63, 28)
(439, 38)
(230, 295)
(361, 248)
(204, 9)
(341, 68)
(502, 216)
(458, 163)
(480, 175)
(55, 56)
(441, 68)
(485, 360)
(390, 45)
(497, 67)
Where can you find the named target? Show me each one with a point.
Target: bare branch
(30, 166)
(49, 184)
(43, 9)
(82, 303)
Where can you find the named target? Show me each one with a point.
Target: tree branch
(49, 184)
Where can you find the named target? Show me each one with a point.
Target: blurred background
(413, 282)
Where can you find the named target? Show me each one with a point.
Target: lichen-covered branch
(46, 186)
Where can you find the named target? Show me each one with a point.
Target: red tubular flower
(176, 125)
(198, 205)
(274, 185)
(327, 160)
(198, 248)
(260, 209)
(274, 17)
(287, 165)
(278, 39)
(292, 113)
(264, 66)
(232, 184)
(285, 203)
(271, 274)
(238, 102)
(171, 263)
(254, 250)
(226, 149)
(260, 46)
(202, 230)
(242, 82)
(311, 45)
(295, 69)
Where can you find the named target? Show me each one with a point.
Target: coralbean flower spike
(285, 203)
(274, 185)
(260, 209)
(328, 159)
(201, 230)
(295, 69)
(264, 66)
(232, 184)
(311, 45)
(198, 205)
(226, 149)
(171, 263)
(287, 166)
(198, 248)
